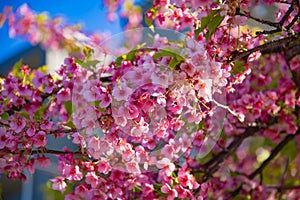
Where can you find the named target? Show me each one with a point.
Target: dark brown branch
(281, 188)
(63, 131)
(273, 154)
(106, 79)
(287, 14)
(272, 44)
(289, 51)
(213, 165)
(267, 31)
(284, 18)
(290, 25)
(55, 152)
(262, 21)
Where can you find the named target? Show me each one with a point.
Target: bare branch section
(288, 12)
(262, 21)
(213, 165)
(54, 152)
(273, 154)
(282, 188)
(264, 47)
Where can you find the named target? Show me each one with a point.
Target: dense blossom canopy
(197, 106)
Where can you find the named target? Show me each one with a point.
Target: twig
(229, 110)
(262, 21)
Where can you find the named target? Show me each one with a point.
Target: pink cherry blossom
(39, 79)
(73, 173)
(59, 184)
(92, 179)
(121, 93)
(3, 137)
(18, 125)
(81, 191)
(104, 167)
(133, 167)
(64, 95)
(40, 139)
(172, 193)
(105, 100)
(166, 166)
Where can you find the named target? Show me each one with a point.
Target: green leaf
(137, 189)
(148, 21)
(213, 24)
(91, 63)
(4, 116)
(204, 22)
(70, 124)
(212, 21)
(16, 69)
(68, 107)
(173, 63)
(269, 143)
(290, 150)
(87, 51)
(168, 52)
(25, 114)
(40, 112)
(239, 67)
(131, 55)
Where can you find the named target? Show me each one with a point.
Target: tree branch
(272, 44)
(212, 165)
(274, 153)
(55, 152)
(262, 21)
(281, 188)
(288, 12)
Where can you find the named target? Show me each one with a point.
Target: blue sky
(89, 13)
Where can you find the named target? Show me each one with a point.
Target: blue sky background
(89, 13)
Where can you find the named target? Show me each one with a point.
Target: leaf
(239, 67)
(119, 60)
(131, 55)
(148, 21)
(173, 63)
(88, 64)
(204, 22)
(70, 124)
(68, 107)
(137, 189)
(87, 51)
(4, 116)
(43, 69)
(16, 69)
(213, 24)
(168, 52)
(290, 150)
(212, 21)
(25, 114)
(40, 112)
